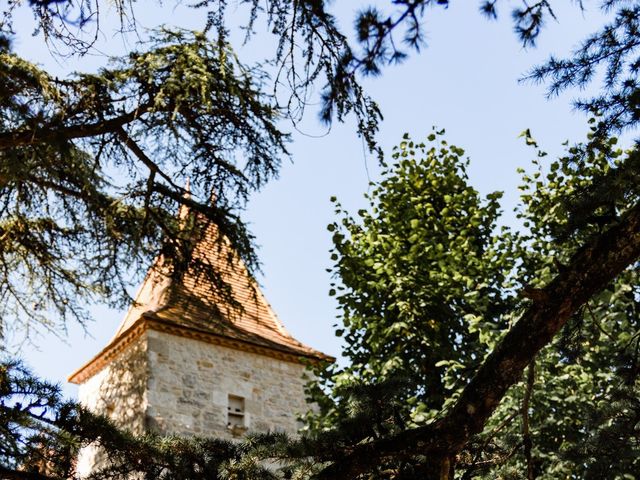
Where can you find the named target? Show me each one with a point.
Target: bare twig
(526, 433)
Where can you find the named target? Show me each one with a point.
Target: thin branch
(139, 153)
(597, 323)
(475, 463)
(526, 434)
(496, 460)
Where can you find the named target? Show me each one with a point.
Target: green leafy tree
(426, 289)
(415, 270)
(584, 386)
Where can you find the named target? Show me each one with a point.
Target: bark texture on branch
(21, 138)
(10, 474)
(590, 270)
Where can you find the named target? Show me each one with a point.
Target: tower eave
(151, 321)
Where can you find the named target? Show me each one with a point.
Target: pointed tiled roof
(195, 304)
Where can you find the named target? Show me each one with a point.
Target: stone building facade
(190, 359)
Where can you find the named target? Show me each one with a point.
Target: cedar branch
(174, 192)
(48, 134)
(10, 474)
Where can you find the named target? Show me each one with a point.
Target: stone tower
(187, 359)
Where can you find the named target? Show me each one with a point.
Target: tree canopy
(438, 305)
(90, 167)
(439, 325)
(442, 311)
(183, 105)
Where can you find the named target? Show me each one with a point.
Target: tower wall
(118, 391)
(191, 385)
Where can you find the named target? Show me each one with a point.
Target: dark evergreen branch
(50, 134)
(140, 155)
(476, 463)
(10, 474)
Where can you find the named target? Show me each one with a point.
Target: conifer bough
(91, 166)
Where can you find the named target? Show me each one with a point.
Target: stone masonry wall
(190, 383)
(170, 384)
(119, 392)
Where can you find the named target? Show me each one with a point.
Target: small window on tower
(235, 413)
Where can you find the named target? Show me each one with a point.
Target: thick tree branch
(10, 474)
(590, 270)
(20, 138)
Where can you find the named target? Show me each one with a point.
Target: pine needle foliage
(41, 436)
(89, 169)
(316, 53)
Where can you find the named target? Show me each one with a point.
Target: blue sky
(465, 81)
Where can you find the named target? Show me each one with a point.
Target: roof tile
(198, 300)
